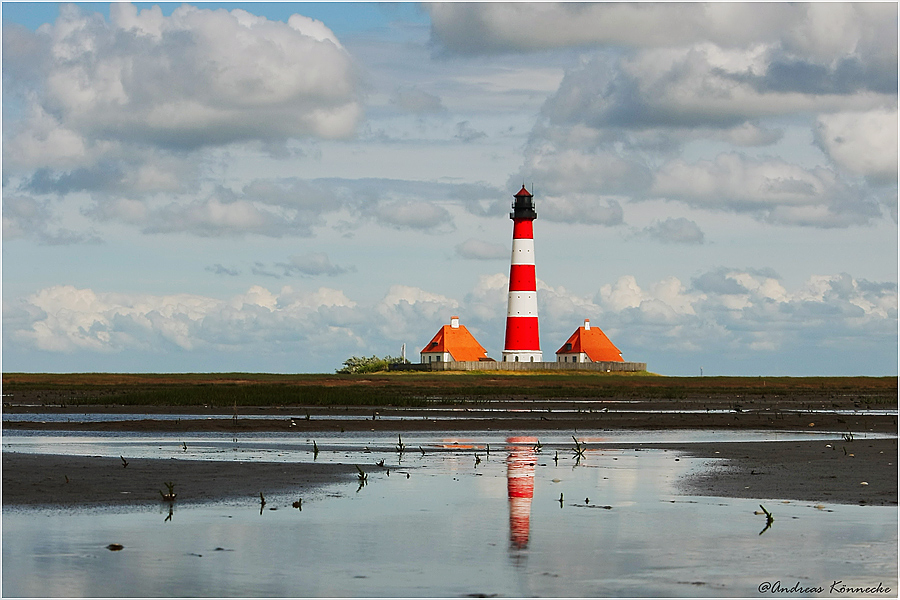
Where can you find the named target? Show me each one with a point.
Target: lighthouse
(522, 340)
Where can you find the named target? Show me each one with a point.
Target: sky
(276, 187)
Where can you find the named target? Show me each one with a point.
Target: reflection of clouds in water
(520, 487)
(440, 533)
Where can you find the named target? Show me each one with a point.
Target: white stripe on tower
(522, 337)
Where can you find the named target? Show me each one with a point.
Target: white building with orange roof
(453, 342)
(588, 344)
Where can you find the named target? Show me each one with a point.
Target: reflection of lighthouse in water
(520, 486)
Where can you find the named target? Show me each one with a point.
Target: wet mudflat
(528, 518)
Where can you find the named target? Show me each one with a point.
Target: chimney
(587, 324)
(454, 322)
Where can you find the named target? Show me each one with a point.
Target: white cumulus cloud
(864, 143)
(96, 94)
(724, 316)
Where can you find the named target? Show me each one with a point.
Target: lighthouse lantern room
(522, 337)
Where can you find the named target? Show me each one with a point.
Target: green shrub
(370, 364)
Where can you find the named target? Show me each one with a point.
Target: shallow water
(416, 414)
(451, 528)
(340, 447)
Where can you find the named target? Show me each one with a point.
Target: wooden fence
(607, 367)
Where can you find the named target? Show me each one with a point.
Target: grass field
(407, 389)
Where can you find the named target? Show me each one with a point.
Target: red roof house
(453, 342)
(588, 344)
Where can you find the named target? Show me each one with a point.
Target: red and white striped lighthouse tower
(522, 340)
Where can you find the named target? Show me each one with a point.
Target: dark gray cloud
(688, 89)
(810, 30)
(262, 270)
(219, 269)
(772, 190)
(101, 177)
(115, 174)
(297, 207)
(848, 75)
(479, 199)
(25, 59)
(602, 94)
(467, 28)
(313, 264)
(725, 281)
(675, 231)
(467, 133)
(619, 123)
(25, 217)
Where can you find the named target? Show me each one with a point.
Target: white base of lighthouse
(522, 356)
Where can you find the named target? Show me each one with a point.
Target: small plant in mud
(315, 450)
(124, 462)
(769, 518)
(578, 450)
(362, 477)
(170, 495)
(401, 447)
(847, 437)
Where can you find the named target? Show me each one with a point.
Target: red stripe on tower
(522, 338)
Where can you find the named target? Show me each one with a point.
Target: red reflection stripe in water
(520, 487)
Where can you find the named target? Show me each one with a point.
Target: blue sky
(342, 18)
(279, 186)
